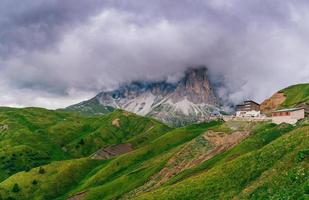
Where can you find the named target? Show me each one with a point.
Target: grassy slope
(38, 136)
(91, 107)
(270, 172)
(131, 170)
(114, 177)
(260, 136)
(58, 177)
(295, 95)
(248, 170)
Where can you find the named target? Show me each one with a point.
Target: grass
(260, 136)
(227, 180)
(133, 169)
(54, 180)
(123, 173)
(89, 108)
(38, 136)
(296, 95)
(45, 155)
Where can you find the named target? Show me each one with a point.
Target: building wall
(248, 106)
(298, 114)
(284, 119)
(291, 118)
(251, 113)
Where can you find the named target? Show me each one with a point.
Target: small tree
(16, 188)
(27, 169)
(81, 142)
(42, 170)
(34, 182)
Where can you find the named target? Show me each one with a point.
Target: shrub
(27, 169)
(34, 182)
(302, 155)
(42, 170)
(16, 188)
(82, 142)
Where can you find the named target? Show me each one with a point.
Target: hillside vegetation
(32, 137)
(296, 95)
(48, 155)
(293, 96)
(278, 170)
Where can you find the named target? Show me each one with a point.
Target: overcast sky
(54, 53)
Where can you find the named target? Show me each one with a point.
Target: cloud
(60, 52)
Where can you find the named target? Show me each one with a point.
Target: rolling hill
(35, 136)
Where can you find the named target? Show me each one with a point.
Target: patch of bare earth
(78, 196)
(125, 113)
(193, 153)
(116, 122)
(112, 151)
(271, 104)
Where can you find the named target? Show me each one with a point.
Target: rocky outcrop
(271, 104)
(196, 87)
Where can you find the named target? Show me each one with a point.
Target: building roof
(252, 102)
(288, 110)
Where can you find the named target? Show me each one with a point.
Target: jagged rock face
(196, 87)
(191, 99)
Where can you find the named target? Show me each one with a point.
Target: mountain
(293, 96)
(191, 99)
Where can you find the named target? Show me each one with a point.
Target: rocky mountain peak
(196, 87)
(191, 99)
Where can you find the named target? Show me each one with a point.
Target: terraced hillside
(124, 156)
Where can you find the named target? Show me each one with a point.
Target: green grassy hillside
(90, 107)
(46, 155)
(296, 95)
(113, 177)
(32, 137)
(278, 170)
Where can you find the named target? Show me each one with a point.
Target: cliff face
(196, 87)
(191, 99)
(273, 103)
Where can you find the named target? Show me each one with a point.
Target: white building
(251, 113)
(248, 109)
(290, 116)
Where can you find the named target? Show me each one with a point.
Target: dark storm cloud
(37, 24)
(68, 50)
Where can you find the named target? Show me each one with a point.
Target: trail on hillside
(193, 153)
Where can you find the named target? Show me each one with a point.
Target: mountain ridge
(191, 99)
